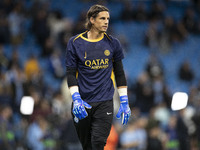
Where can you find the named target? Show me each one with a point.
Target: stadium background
(162, 56)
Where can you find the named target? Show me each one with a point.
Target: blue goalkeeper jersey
(93, 60)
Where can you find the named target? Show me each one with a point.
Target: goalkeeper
(92, 59)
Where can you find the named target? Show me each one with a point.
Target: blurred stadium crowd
(161, 41)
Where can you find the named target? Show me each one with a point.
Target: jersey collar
(91, 40)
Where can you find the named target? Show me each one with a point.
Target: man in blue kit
(93, 58)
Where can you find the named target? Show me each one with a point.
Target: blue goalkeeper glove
(79, 106)
(124, 110)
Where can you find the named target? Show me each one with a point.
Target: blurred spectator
(154, 67)
(127, 13)
(162, 114)
(4, 60)
(181, 32)
(192, 119)
(48, 47)
(171, 33)
(188, 114)
(185, 72)
(16, 24)
(151, 37)
(15, 59)
(165, 35)
(4, 28)
(144, 93)
(156, 136)
(17, 80)
(68, 137)
(129, 138)
(39, 85)
(189, 20)
(37, 135)
(7, 136)
(59, 106)
(157, 11)
(194, 97)
(172, 138)
(20, 129)
(5, 90)
(79, 26)
(158, 87)
(124, 42)
(196, 136)
(58, 24)
(141, 13)
(167, 97)
(43, 109)
(40, 27)
(32, 67)
(134, 137)
(7, 5)
(142, 133)
(56, 64)
(34, 8)
(155, 70)
(182, 132)
(63, 39)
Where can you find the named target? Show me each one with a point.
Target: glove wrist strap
(73, 89)
(76, 96)
(124, 99)
(122, 91)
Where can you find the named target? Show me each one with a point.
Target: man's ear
(92, 20)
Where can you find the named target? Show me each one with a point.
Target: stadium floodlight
(27, 105)
(179, 100)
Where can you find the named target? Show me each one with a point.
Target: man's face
(100, 23)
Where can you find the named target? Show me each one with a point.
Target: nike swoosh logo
(109, 113)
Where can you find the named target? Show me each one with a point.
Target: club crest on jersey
(107, 52)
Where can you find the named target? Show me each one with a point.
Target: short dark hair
(93, 12)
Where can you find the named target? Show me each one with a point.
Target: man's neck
(94, 34)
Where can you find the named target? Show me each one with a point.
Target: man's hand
(79, 106)
(124, 110)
